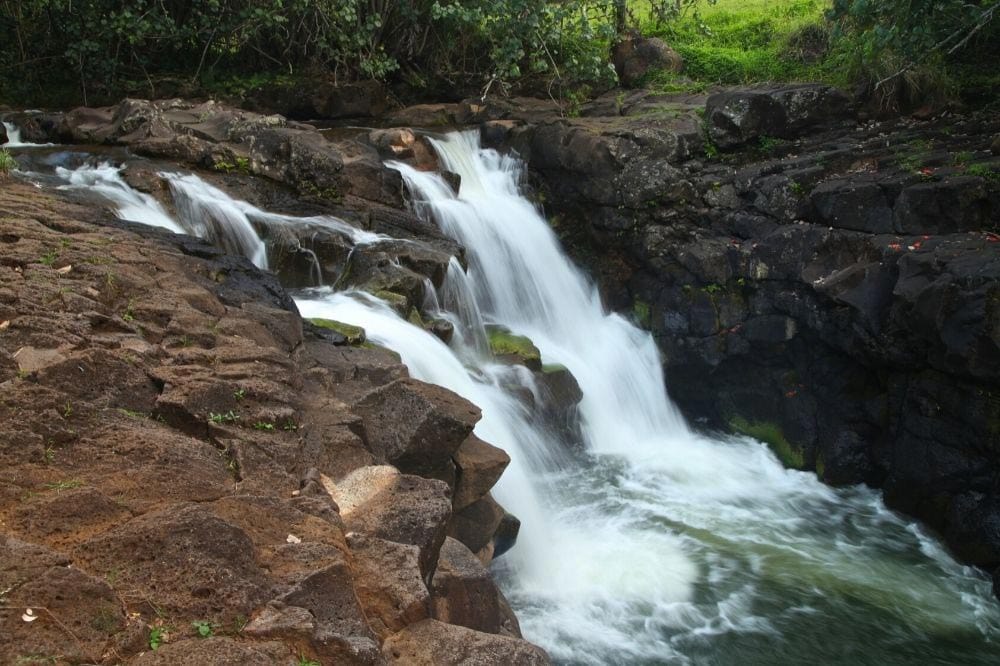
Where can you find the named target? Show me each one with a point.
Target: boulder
(380, 502)
(636, 56)
(388, 582)
(434, 643)
(855, 204)
(476, 525)
(478, 467)
(415, 426)
(463, 591)
(736, 117)
(948, 206)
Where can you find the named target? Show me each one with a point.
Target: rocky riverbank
(192, 474)
(819, 280)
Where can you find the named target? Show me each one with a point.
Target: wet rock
(403, 144)
(479, 466)
(435, 643)
(476, 525)
(636, 56)
(511, 348)
(415, 426)
(464, 592)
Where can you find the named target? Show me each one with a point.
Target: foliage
(104, 46)
(903, 49)
(157, 636)
(7, 162)
(742, 41)
(203, 628)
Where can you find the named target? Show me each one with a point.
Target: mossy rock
(553, 368)
(355, 334)
(512, 348)
(771, 434)
(397, 302)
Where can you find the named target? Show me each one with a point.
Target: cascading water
(660, 545)
(655, 544)
(204, 211)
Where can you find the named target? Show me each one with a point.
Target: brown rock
(388, 582)
(433, 643)
(463, 590)
(479, 466)
(219, 651)
(476, 524)
(635, 56)
(415, 426)
(380, 502)
(71, 600)
(185, 559)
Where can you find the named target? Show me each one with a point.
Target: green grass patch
(771, 434)
(747, 41)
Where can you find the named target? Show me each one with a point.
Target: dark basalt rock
(736, 117)
(818, 292)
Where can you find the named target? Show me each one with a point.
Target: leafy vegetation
(7, 162)
(98, 50)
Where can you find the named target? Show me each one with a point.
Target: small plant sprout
(305, 661)
(49, 257)
(228, 417)
(263, 425)
(157, 637)
(290, 426)
(240, 393)
(203, 627)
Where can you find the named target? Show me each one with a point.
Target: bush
(103, 47)
(7, 162)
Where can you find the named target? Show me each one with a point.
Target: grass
(746, 41)
(7, 162)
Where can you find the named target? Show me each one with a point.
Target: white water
(204, 211)
(14, 138)
(660, 545)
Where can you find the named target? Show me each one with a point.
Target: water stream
(650, 543)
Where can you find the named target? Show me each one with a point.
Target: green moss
(396, 301)
(372, 345)
(415, 318)
(771, 434)
(820, 468)
(355, 334)
(504, 343)
(641, 310)
(550, 368)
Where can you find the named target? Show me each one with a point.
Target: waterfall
(651, 543)
(14, 138)
(205, 211)
(105, 181)
(658, 544)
